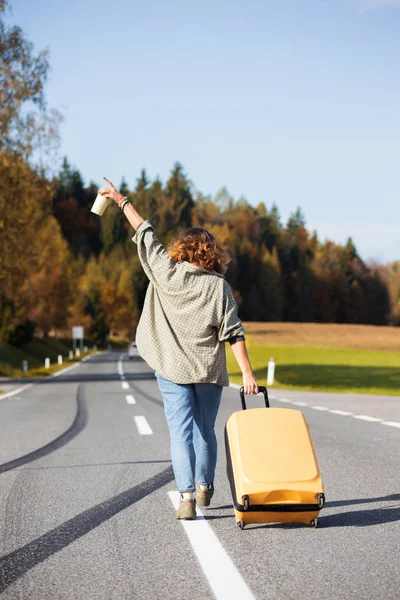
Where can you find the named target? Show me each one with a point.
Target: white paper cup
(100, 204)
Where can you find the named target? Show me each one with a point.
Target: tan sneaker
(203, 496)
(186, 510)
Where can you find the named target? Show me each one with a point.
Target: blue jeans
(191, 410)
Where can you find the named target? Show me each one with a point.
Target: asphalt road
(85, 510)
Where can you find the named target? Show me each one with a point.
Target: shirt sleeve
(157, 264)
(230, 326)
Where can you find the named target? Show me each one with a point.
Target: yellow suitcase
(271, 466)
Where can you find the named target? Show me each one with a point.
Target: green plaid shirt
(188, 315)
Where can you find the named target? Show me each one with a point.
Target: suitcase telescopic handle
(262, 389)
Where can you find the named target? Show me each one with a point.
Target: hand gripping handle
(261, 388)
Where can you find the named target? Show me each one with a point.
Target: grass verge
(341, 370)
(35, 352)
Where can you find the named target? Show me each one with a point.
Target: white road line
(298, 403)
(130, 400)
(125, 385)
(66, 369)
(28, 385)
(319, 407)
(142, 426)
(367, 418)
(220, 572)
(390, 424)
(15, 392)
(344, 413)
(283, 400)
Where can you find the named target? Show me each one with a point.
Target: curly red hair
(198, 246)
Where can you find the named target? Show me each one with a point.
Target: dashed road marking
(220, 572)
(332, 411)
(125, 385)
(130, 399)
(142, 426)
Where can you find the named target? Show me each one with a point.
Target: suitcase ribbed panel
(273, 443)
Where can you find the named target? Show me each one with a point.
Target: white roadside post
(25, 366)
(271, 372)
(95, 348)
(85, 349)
(60, 359)
(71, 355)
(47, 363)
(77, 336)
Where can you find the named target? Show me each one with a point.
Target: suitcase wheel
(246, 502)
(321, 500)
(240, 524)
(314, 523)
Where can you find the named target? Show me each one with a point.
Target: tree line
(65, 266)
(61, 265)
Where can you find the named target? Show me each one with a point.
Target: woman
(188, 315)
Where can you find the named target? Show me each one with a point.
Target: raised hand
(111, 192)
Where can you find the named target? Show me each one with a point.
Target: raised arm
(156, 262)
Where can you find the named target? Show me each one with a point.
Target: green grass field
(324, 369)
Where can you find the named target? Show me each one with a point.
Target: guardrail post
(271, 372)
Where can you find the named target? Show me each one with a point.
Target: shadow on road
(354, 518)
(110, 464)
(392, 497)
(69, 378)
(362, 518)
(17, 563)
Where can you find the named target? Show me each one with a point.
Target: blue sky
(284, 101)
